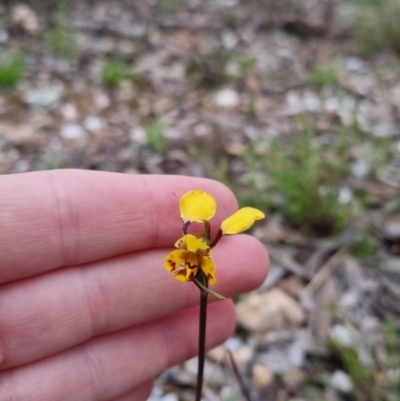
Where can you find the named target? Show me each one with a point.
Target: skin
(87, 312)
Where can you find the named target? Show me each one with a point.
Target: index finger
(61, 218)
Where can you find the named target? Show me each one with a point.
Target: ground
(294, 105)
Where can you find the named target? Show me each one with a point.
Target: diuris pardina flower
(193, 255)
(191, 261)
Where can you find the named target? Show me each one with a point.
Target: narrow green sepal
(205, 235)
(207, 290)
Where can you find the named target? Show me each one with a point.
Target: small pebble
(349, 299)
(233, 344)
(138, 134)
(341, 382)
(360, 168)
(21, 166)
(93, 123)
(4, 37)
(227, 97)
(69, 111)
(45, 97)
(342, 335)
(356, 64)
(72, 131)
(243, 355)
(345, 195)
(262, 376)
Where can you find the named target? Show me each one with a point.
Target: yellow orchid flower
(241, 221)
(191, 261)
(197, 206)
(192, 254)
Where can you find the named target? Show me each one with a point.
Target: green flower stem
(202, 344)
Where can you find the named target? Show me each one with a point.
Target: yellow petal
(193, 244)
(207, 265)
(174, 260)
(183, 264)
(197, 206)
(185, 274)
(241, 221)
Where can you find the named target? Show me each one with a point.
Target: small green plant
(154, 135)
(364, 246)
(322, 76)
(305, 184)
(60, 37)
(170, 5)
(377, 25)
(113, 72)
(12, 67)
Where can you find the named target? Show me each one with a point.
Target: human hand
(87, 312)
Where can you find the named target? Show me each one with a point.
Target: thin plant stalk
(202, 344)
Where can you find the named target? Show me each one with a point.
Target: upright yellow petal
(193, 244)
(197, 206)
(241, 221)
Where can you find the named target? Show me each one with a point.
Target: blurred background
(295, 105)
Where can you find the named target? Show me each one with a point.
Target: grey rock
(229, 39)
(341, 381)
(274, 275)
(211, 370)
(311, 101)
(391, 228)
(233, 344)
(69, 111)
(370, 324)
(356, 64)
(385, 130)
(4, 36)
(276, 359)
(93, 123)
(296, 354)
(21, 166)
(350, 299)
(227, 98)
(72, 131)
(345, 195)
(343, 335)
(360, 168)
(63, 67)
(44, 97)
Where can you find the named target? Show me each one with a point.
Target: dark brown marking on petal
(180, 272)
(172, 264)
(189, 266)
